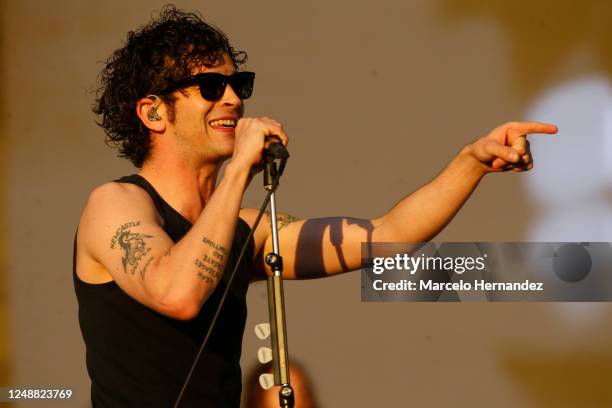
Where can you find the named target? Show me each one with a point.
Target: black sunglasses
(212, 84)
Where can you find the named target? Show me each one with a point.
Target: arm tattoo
(133, 246)
(211, 267)
(282, 219)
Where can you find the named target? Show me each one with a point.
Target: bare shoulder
(112, 200)
(108, 207)
(116, 194)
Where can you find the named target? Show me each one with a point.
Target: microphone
(275, 150)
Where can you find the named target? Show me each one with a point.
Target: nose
(230, 98)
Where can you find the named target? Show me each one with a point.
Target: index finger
(521, 129)
(532, 127)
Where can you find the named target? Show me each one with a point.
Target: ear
(152, 112)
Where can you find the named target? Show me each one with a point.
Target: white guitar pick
(266, 381)
(262, 331)
(264, 355)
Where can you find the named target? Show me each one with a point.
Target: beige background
(377, 97)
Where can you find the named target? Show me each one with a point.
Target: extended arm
(320, 247)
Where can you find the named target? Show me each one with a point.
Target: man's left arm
(320, 247)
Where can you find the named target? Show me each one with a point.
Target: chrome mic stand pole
(276, 301)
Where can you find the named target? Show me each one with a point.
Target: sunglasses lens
(212, 86)
(242, 84)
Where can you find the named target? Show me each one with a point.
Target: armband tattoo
(282, 219)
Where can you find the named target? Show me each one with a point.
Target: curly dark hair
(154, 57)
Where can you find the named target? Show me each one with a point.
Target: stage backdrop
(377, 97)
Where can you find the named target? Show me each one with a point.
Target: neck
(185, 187)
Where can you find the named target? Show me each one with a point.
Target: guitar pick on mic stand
(276, 302)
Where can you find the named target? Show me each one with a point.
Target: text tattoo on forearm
(211, 265)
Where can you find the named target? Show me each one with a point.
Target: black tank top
(137, 357)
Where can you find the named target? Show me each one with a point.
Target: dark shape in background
(572, 262)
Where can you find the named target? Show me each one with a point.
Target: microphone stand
(276, 301)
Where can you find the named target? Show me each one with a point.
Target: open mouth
(223, 123)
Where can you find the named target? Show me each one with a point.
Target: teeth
(223, 123)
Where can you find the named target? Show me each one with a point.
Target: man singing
(153, 250)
